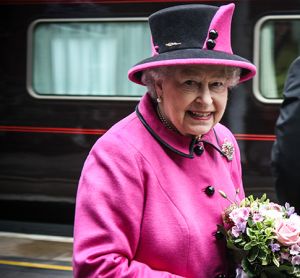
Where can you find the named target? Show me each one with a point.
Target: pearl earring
(158, 99)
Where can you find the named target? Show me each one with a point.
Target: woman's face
(193, 98)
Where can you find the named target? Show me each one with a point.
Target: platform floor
(31, 255)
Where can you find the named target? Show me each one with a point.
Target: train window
(86, 59)
(276, 46)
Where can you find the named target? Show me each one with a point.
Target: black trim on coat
(190, 155)
(192, 144)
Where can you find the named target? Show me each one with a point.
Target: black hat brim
(192, 57)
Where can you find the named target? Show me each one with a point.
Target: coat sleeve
(109, 211)
(286, 151)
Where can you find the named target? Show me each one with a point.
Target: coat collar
(182, 145)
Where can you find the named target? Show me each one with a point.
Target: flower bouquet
(265, 235)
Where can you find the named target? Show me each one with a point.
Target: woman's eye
(190, 83)
(217, 85)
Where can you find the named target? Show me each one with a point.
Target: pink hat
(192, 35)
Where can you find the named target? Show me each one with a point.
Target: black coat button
(198, 150)
(221, 276)
(213, 34)
(219, 235)
(210, 44)
(209, 190)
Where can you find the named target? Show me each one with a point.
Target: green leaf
(259, 225)
(278, 272)
(276, 262)
(253, 254)
(262, 254)
(251, 232)
(250, 222)
(251, 198)
(248, 268)
(248, 246)
(263, 198)
(269, 231)
(231, 245)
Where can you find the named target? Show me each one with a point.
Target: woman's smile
(203, 116)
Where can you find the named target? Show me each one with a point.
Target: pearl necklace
(166, 123)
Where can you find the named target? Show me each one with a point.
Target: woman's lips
(200, 115)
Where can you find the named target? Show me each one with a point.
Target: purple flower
(235, 231)
(239, 215)
(239, 228)
(295, 249)
(275, 247)
(284, 256)
(289, 210)
(257, 217)
(242, 226)
(296, 260)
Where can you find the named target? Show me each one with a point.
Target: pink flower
(296, 260)
(274, 206)
(288, 231)
(235, 231)
(295, 249)
(239, 215)
(285, 256)
(257, 217)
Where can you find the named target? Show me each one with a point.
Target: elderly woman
(148, 202)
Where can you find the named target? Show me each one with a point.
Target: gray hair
(150, 76)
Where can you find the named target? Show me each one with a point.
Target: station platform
(34, 255)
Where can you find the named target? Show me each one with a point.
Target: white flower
(295, 219)
(271, 212)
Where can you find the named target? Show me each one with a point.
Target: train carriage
(64, 83)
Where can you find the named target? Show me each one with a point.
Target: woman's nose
(204, 96)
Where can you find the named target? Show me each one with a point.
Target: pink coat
(143, 208)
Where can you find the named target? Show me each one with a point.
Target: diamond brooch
(228, 149)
